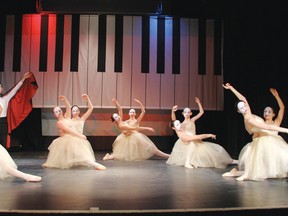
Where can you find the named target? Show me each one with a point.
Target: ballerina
(198, 153)
(131, 145)
(267, 155)
(71, 148)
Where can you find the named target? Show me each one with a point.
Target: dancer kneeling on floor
(194, 152)
(72, 148)
(267, 155)
(131, 145)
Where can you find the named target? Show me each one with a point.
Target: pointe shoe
(33, 178)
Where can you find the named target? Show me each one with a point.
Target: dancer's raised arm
(201, 110)
(90, 107)
(238, 95)
(139, 119)
(280, 115)
(119, 108)
(67, 106)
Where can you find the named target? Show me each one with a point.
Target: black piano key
(17, 43)
(102, 43)
(145, 48)
(75, 43)
(161, 45)
(58, 67)
(118, 59)
(43, 43)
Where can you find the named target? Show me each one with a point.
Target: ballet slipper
(241, 178)
(107, 157)
(189, 166)
(32, 178)
(227, 174)
(231, 173)
(100, 167)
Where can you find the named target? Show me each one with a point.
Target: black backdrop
(255, 59)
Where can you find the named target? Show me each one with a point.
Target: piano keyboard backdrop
(160, 61)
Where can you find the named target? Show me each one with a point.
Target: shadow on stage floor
(148, 187)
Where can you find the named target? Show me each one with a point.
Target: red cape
(20, 105)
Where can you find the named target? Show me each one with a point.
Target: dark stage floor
(148, 186)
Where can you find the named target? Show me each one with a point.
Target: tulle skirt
(69, 151)
(179, 153)
(5, 162)
(199, 154)
(264, 157)
(208, 154)
(133, 147)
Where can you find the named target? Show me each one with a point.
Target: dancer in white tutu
(8, 167)
(131, 145)
(196, 152)
(72, 148)
(267, 155)
(79, 121)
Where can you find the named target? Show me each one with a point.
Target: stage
(137, 188)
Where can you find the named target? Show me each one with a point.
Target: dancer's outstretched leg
(159, 153)
(98, 166)
(27, 177)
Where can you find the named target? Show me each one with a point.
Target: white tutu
(208, 154)
(69, 151)
(204, 154)
(5, 161)
(264, 157)
(133, 147)
(179, 153)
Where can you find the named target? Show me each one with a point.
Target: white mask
(268, 112)
(116, 117)
(57, 111)
(75, 110)
(177, 124)
(241, 106)
(186, 112)
(132, 112)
